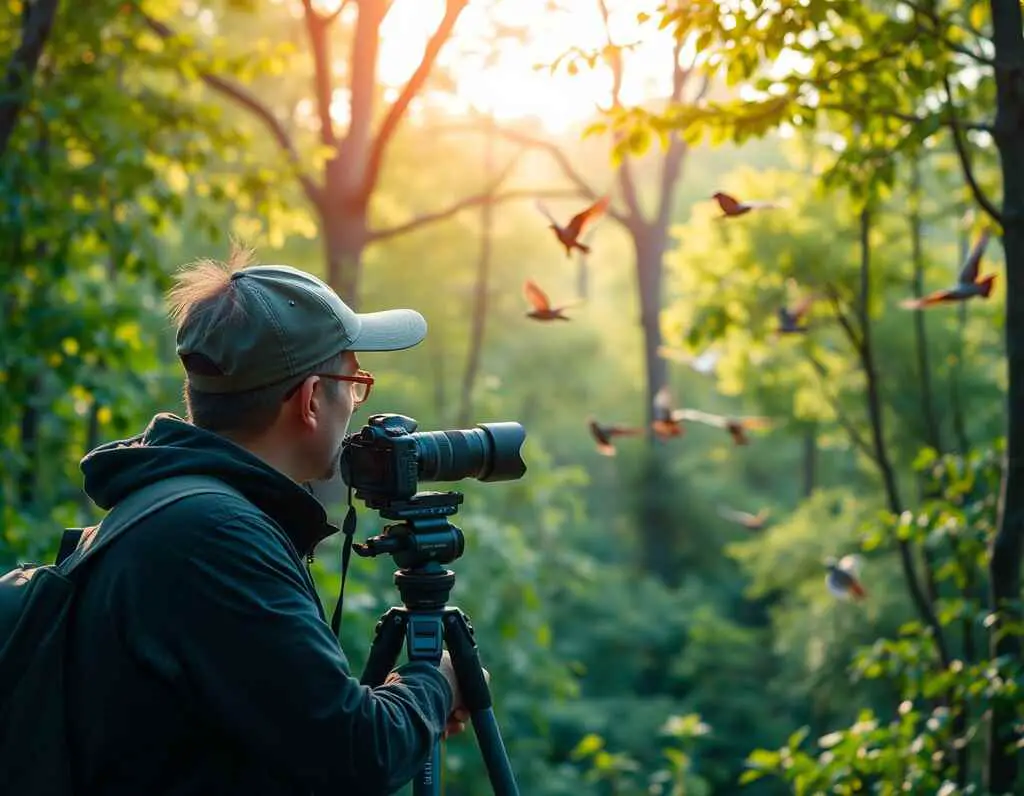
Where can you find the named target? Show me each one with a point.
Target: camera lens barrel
(489, 452)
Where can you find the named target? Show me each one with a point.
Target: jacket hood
(171, 446)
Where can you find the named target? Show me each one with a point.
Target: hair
(205, 286)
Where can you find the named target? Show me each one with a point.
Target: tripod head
(420, 542)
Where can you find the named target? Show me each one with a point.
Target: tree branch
(855, 339)
(565, 165)
(242, 96)
(910, 118)
(837, 410)
(36, 24)
(316, 30)
(327, 19)
(624, 172)
(921, 602)
(398, 108)
(965, 161)
(463, 204)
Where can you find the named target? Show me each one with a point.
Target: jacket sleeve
(222, 611)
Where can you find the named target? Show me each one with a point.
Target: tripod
(420, 543)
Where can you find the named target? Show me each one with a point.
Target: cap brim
(389, 330)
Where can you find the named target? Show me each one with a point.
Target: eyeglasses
(362, 383)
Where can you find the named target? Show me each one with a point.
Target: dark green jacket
(200, 662)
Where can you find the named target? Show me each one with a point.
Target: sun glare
(504, 81)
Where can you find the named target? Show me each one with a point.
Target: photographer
(199, 658)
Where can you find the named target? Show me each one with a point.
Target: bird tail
(582, 247)
(857, 590)
(986, 284)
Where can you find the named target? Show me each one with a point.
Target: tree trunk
(36, 23)
(649, 245)
(933, 434)
(344, 232)
(480, 289)
(810, 460)
(658, 527)
(1008, 545)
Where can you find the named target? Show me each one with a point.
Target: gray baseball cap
(287, 322)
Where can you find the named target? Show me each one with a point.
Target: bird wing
(755, 423)
(616, 430)
(578, 221)
(729, 204)
(538, 298)
(547, 213)
(969, 270)
(801, 307)
(697, 416)
(938, 297)
(735, 516)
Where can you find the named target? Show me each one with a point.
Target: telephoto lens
(489, 452)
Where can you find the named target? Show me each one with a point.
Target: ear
(308, 401)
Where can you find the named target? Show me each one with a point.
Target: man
(199, 658)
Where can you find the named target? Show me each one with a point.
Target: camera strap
(348, 529)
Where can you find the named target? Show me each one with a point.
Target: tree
(350, 163)
(36, 23)
(887, 81)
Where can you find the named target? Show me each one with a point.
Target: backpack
(35, 604)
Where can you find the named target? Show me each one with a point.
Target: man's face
(338, 410)
(314, 423)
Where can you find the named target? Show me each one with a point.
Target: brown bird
(842, 577)
(968, 284)
(736, 426)
(542, 309)
(752, 522)
(603, 435)
(667, 421)
(569, 235)
(731, 206)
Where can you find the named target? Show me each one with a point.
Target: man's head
(270, 358)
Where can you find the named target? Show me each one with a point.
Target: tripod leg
(425, 642)
(458, 634)
(387, 643)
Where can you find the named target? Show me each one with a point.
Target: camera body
(382, 458)
(386, 459)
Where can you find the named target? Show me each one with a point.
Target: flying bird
(604, 434)
(790, 317)
(731, 206)
(968, 284)
(569, 235)
(667, 421)
(843, 577)
(736, 426)
(542, 309)
(752, 522)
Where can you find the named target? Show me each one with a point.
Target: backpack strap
(133, 509)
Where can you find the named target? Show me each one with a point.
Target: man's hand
(460, 715)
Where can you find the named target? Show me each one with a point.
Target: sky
(510, 86)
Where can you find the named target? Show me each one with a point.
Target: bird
(968, 283)
(569, 235)
(603, 435)
(736, 426)
(731, 206)
(667, 422)
(789, 318)
(542, 309)
(753, 522)
(843, 577)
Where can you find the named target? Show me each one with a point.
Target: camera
(385, 460)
